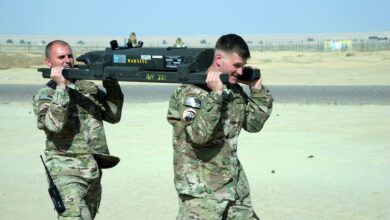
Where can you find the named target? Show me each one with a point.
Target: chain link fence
(302, 46)
(40, 49)
(321, 46)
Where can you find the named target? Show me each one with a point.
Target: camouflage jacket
(72, 120)
(206, 127)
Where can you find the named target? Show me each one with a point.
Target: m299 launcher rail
(137, 64)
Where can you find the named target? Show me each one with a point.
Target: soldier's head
(59, 53)
(231, 54)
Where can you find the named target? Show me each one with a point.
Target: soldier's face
(61, 55)
(233, 64)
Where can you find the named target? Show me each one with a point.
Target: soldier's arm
(51, 108)
(258, 109)
(197, 116)
(112, 101)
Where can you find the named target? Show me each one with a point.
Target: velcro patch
(46, 97)
(193, 102)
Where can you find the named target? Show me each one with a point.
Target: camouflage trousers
(81, 197)
(208, 209)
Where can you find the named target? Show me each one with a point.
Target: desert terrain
(310, 161)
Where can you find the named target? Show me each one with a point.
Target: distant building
(337, 45)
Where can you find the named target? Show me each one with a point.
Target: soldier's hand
(110, 83)
(256, 84)
(214, 82)
(57, 77)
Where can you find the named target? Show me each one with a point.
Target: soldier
(206, 120)
(132, 39)
(71, 114)
(179, 43)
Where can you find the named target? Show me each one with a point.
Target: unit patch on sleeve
(188, 115)
(193, 102)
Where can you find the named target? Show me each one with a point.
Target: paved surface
(334, 95)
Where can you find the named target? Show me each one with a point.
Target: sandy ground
(311, 162)
(277, 68)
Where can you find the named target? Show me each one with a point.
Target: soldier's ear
(47, 62)
(218, 58)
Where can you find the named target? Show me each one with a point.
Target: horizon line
(193, 35)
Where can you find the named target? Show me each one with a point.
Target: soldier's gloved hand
(110, 83)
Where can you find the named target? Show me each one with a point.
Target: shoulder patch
(44, 108)
(193, 102)
(188, 115)
(45, 97)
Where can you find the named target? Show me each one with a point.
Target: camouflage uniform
(209, 178)
(76, 148)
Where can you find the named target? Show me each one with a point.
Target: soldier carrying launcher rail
(71, 113)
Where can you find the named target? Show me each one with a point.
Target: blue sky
(196, 17)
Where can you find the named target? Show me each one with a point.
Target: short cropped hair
(51, 44)
(233, 43)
